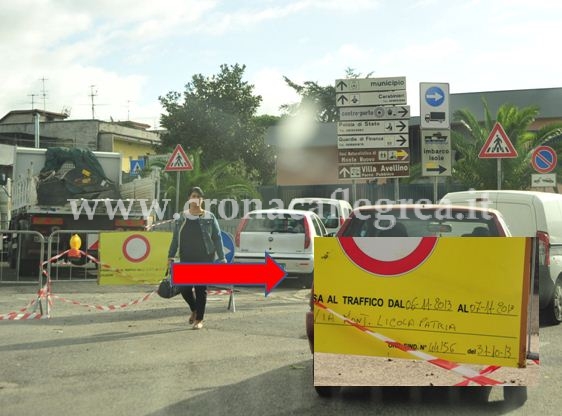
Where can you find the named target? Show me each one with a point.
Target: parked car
(286, 235)
(530, 214)
(332, 212)
(419, 221)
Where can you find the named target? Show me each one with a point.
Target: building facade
(131, 139)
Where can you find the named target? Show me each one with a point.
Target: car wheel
(327, 391)
(306, 280)
(515, 396)
(554, 309)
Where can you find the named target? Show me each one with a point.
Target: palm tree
(477, 173)
(222, 180)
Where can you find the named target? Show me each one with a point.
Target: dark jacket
(211, 235)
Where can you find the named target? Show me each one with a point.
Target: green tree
(477, 173)
(321, 99)
(217, 114)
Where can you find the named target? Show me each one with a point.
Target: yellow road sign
(461, 299)
(133, 257)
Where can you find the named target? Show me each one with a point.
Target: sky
(121, 55)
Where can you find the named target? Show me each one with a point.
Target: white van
(332, 212)
(530, 214)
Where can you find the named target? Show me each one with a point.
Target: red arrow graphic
(269, 274)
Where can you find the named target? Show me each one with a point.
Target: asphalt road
(145, 360)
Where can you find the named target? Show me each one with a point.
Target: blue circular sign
(434, 96)
(544, 159)
(228, 243)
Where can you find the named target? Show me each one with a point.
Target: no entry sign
(544, 159)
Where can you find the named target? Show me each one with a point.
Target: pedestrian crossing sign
(497, 145)
(178, 161)
(136, 167)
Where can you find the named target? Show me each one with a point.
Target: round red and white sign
(136, 248)
(389, 256)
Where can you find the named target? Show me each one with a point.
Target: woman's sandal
(192, 318)
(198, 325)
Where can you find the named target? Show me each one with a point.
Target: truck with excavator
(70, 189)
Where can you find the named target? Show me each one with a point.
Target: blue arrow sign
(434, 96)
(228, 243)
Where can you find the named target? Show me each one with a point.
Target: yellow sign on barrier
(461, 299)
(133, 257)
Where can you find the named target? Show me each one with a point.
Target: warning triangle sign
(497, 145)
(178, 161)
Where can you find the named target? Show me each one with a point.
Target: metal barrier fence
(67, 268)
(13, 258)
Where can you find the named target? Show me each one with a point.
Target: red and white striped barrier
(109, 307)
(46, 294)
(468, 373)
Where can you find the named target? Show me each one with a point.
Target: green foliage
(477, 173)
(217, 114)
(321, 99)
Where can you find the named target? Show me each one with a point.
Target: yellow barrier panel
(133, 257)
(460, 299)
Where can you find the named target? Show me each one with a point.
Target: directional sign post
(436, 153)
(373, 139)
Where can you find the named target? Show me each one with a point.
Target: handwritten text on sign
(464, 302)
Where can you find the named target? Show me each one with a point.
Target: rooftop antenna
(128, 109)
(92, 95)
(32, 100)
(44, 93)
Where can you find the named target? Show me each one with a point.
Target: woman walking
(196, 239)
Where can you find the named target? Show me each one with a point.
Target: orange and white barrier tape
(468, 373)
(24, 313)
(106, 308)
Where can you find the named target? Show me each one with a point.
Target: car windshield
(278, 223)
(327, 212)
(421, 222)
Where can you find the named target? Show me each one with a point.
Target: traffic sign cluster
(373, 128)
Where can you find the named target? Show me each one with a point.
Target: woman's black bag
(166, 289)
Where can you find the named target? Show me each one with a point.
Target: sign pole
(435, 189)
(178, 191)
(499, 173)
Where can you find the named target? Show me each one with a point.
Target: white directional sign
(375, 170)
(370, 84)
(371, 98)
(354, 156)
(401, 112)
(372, 127)
(434, 105)
(436, 152)
(373, 141)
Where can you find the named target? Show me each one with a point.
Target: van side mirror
(3, 179)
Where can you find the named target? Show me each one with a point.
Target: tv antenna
(92, 95)
(44, 92)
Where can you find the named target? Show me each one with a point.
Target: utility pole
(44, 94)
(92, 95)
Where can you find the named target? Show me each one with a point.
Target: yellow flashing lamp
(75, 243)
